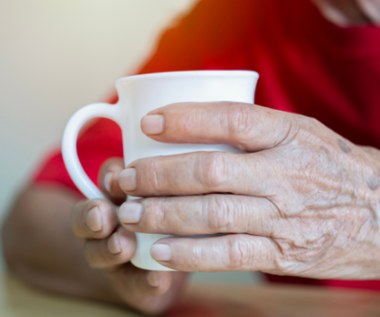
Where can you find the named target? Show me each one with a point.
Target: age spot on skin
(324, 149)
(373, 183)
(344, 146)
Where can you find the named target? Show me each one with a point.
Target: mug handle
(69, 144)
(83, 182)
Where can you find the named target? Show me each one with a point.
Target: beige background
(56, 56)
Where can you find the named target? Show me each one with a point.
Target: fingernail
(153, 278)
(113, 244)
(127, 179)
(108, 181)
(130, 212)
(93, 219)
(152, 124)
(161, 252)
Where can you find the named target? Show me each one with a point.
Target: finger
(235, 252)
(117, 249)
(108, 180)
(245, 126)
(200, 215)
(200, 173)
(93, 219)
(148, 291)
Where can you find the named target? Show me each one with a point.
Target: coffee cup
(139, 95)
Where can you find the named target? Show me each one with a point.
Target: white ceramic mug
(139, 95)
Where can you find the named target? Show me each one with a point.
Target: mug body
(141, 94)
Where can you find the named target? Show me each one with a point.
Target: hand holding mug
(298, 200)
(137, 96)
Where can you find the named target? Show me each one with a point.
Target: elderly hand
(109, 247)
(298, 200)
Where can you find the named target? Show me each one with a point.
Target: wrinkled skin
(298, 200)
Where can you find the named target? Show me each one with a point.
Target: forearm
(40, 248)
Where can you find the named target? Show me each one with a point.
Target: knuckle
(219, 216)
(150, 174)
(238, 252)
(195, 259)
(303, 126)
(287, 132)
(154, 218)
(213, 170)
(239, 122)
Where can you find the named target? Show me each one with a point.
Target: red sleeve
(193, 43)
(214, 35)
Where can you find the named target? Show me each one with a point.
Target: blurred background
(56, 56)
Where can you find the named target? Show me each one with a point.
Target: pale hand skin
(298, 200)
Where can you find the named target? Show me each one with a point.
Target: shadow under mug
(139, 95)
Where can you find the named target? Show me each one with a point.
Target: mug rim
(188, 73)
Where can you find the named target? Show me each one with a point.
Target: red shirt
(307, 65)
